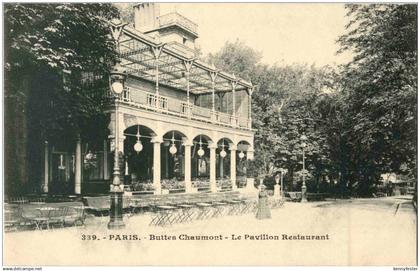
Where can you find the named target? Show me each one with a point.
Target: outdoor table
(235, 206)
(81, 210)
(42, 218)
(163, 216)
(248, 206)
(205, 210)
(10, 220)
(218, 208)
(187, 213)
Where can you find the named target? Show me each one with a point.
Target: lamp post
(117, 79)
(283, 171)
(303, 138)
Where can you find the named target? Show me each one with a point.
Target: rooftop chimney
(146, 16)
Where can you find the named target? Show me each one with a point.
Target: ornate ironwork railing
(172, 106)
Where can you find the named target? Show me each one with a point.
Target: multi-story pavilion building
(182, 124)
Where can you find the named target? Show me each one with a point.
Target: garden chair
(57, 216)
(11, 219)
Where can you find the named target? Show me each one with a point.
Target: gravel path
(342, 232)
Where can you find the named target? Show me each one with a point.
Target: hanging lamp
(173, 149)
(241, 154)
(200, 151)
(138, 146)
(223, 152)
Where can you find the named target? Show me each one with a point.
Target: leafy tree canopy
(52, 50)
(381, 88)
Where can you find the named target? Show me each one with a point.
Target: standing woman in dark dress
(263, 210)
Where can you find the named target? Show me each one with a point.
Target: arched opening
(138, 158)
(200, 162)
(173, 161)
(241, 162)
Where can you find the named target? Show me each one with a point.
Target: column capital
(187, 142)
(156, 139)
(212, 145)
(232, 147)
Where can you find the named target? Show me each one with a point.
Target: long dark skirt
(263, 210)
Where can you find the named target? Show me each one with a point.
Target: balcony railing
(171, 106)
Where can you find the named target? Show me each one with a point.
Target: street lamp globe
(172, 149)
(138, 147)
(118, 75)
(241, 155)
(223, 153)
(117, 87)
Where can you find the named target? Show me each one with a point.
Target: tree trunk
(16, 138)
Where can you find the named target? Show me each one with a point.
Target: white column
(46, 169)
(126, 167)
(156, 165)
(233, 149)
(78, 168)
(187, 170)
(221, 167)
(166, 152)
(106, 169)
(213, 186)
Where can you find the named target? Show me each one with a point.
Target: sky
(284, 33)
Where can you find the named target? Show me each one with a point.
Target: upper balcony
(175, 107)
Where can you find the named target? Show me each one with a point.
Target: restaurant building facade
(181, 124)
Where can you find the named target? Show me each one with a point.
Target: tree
(57, 58)
(284, 107)
(380, 85)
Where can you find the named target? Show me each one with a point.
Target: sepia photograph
(209, 134)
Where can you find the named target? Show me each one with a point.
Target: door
(62, 173)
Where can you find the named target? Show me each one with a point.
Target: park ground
(380, 231)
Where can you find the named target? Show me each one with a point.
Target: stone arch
(138, 164)
(169, 127)
(205, 134)
(242, 142)
(130, 121)
(227, 137)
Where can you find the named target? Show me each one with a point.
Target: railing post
(213, 76)
(157, 50)
(233, 118)
(250, 91)
(188, 64)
